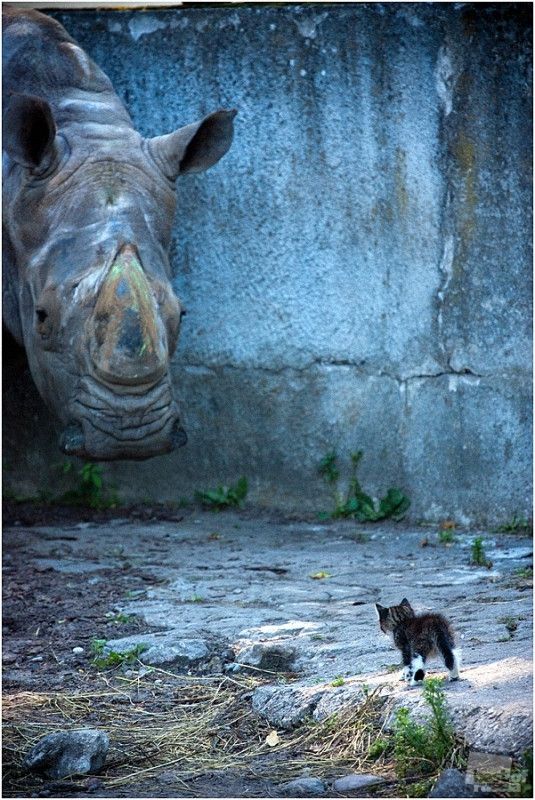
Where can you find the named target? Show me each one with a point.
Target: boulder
(69, 753)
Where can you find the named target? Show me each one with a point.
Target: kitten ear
(380, 609)
(405, 602)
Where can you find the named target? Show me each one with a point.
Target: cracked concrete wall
(357, 269)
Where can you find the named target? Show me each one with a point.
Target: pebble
(77, 650)
(304, 787)
(350, 783)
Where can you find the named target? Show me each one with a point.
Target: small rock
(303, 787)
(278, 657)
(350, 783)
(78, 650)
(69, 753)
(451, 783)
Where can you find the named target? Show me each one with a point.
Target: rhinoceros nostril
(72, 440)
(41, 315)
(179, 436)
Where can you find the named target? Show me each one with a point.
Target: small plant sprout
(338, 681)
(517, 524)
(90, 491)
(356, 503)
(224, 496)
(478, 557)
(446, 537)
(112, 658)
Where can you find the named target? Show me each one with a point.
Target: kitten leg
(406, 656)
(454, 671)
(451, 656)
(417, 670)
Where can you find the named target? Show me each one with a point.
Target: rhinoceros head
(88, 210)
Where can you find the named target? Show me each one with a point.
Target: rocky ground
(278, 611)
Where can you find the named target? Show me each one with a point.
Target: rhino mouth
(125, 423)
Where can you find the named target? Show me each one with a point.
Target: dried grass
(193, 726)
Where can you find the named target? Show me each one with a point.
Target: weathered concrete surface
(357, 271)
(226, 584)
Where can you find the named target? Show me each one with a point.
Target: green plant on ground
(478, 557)
(422, 749)
(526, 573)
(338, 681)
(103, 660)
(120, 618)
(446, 537)
(90, 490)
(356, 503)
(521, 780)
(517, 524)
(378, 748)
(224, 496)
(511, 623)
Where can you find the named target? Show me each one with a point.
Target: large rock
(286, 706)
(162, 649)
(69, 753)
(338, 699)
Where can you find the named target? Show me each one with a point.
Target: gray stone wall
(357, 270)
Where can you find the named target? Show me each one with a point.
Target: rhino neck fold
(126, 338)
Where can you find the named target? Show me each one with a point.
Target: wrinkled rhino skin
(88, 206)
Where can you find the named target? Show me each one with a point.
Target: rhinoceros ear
(29, 130)
(195, 147)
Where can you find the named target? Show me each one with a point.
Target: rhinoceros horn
(195, 147)
(127, 339)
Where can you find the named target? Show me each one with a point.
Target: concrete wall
(357, 270)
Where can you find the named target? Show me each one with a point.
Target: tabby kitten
(419, 637)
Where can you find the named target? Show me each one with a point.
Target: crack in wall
(342, 363)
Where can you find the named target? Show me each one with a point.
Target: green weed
(338, 681)
(102, 660)
(446, 537)
(378, 748)
(90, 491)
(421, 749)
(120, 618)
(525, 573)
(224, 496)
(356, 503)
(516, 525)
(478, 557)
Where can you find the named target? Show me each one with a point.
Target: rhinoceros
(88, 207)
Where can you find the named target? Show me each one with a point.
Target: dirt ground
(72, 576)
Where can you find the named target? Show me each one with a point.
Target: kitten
(418, 638)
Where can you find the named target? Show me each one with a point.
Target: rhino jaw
(98, 447)
(130, 423)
